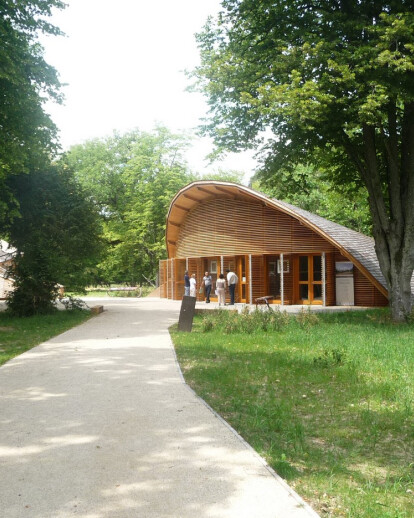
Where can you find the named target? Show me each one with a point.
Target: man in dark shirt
(186, 284)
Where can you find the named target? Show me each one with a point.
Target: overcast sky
(124, 64)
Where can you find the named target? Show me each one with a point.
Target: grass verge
(18, 335)
(328, 401)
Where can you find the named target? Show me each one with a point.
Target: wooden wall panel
(330, 280)
(225, 226)
(258, 276)
(179, 271)
(195, 265)
(163, 279)
(366, 294)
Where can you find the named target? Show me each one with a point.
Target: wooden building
(276, 249)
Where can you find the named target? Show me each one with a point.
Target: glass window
(317, 268)
(303, 291)
(303, 268)
(213, 267)
(317, 292)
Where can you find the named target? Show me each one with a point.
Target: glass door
(273, 277)
(310, 279)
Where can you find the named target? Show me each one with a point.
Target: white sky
(123, 62)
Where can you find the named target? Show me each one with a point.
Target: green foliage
(57, 238)
(309, 189)
(132, 179)
(247, 322)
(329, 84)
(72, 303)
(27, 134)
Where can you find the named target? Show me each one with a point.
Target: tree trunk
(393, 227)
(399, 292)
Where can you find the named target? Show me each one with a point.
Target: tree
(132, 179)
(332, 83)
(309, 189)
(27, 134)
(56, 236)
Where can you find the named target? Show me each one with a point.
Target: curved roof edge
(357, 247)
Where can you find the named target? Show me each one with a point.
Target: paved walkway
(97, 423)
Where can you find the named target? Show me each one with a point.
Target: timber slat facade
(276, 249)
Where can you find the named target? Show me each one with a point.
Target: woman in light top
(193, 286)
(220, 287)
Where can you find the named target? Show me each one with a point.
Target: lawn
(328, 401)
(18, 335)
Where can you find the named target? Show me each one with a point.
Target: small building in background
(277, 250)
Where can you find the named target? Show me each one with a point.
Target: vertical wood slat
(195, 265)
(163, 278)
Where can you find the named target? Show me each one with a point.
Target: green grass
(327, 400)
(18, 335)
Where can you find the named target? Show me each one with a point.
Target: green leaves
(57, 238)
(132, 179)
(27, 134)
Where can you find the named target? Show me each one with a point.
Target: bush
(306, 318)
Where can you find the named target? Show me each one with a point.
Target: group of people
(190, 286)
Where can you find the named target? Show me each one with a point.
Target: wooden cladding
(224, 226)
(221, 226)
(365, 293)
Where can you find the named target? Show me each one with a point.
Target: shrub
(306, 318)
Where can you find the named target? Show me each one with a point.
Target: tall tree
(311, 190)
(332, 83)
(27, 134)
(57, 237)
(132, 179)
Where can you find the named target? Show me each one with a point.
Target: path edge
(301, 502)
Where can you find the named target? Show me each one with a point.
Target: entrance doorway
(309, 279)
(273, 277)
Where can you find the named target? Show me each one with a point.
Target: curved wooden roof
(357, 247)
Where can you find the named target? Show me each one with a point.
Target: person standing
(232, 280)
(207, 283)
(220, 287)
(186, 284)
(193, 286)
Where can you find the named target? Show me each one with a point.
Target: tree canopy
(309, 189)
(132, 178)
(27, 134)
(329, 83)
(57, 237)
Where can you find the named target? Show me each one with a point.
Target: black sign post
(185, 322)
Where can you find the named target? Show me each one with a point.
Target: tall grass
(328, 400)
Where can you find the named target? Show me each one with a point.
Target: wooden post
(323, 279)
(168, 277)
(282, 284)
(172, 278)
(250, 280)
